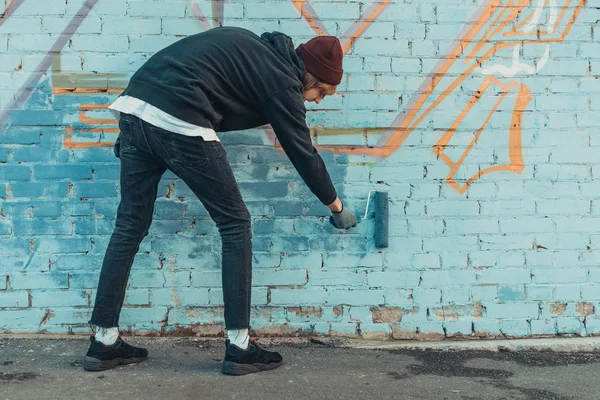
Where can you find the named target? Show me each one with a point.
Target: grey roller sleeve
(345, 219)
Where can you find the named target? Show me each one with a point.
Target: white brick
(100, 43)
(151, 44)
(131, 26)
(156, 8)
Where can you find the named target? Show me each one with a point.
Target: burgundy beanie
(322, 57)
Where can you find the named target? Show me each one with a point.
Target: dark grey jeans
(146, 152)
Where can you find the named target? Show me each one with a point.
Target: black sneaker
(253, 359)
(100, 357)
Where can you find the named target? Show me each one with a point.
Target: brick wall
(481, 122)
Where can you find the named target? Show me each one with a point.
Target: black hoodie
(231, 79)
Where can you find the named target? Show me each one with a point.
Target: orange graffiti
(348, 38)
(70, 144)
(515, 150)
(84, 119)
(314, 23)
(9, 9)
(497, 25)
(478, 52)
(353, 33)
(84, 108)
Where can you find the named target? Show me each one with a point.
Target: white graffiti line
(511, 71)
(553, 15)
(531, 25)
(518, 66)
(544, 59)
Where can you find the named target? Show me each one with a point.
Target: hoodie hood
(284, 47)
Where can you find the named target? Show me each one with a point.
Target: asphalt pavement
(189, 368)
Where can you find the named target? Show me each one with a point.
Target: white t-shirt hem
(159, 118)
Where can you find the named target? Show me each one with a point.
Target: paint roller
(381, 214)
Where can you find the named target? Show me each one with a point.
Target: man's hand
(344, 219)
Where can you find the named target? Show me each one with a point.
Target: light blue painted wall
(514, 254)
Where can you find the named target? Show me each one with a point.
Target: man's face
(315, 94)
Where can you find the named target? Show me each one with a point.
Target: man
(221, 80)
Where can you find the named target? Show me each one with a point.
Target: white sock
(239, 337)
(107, 336)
